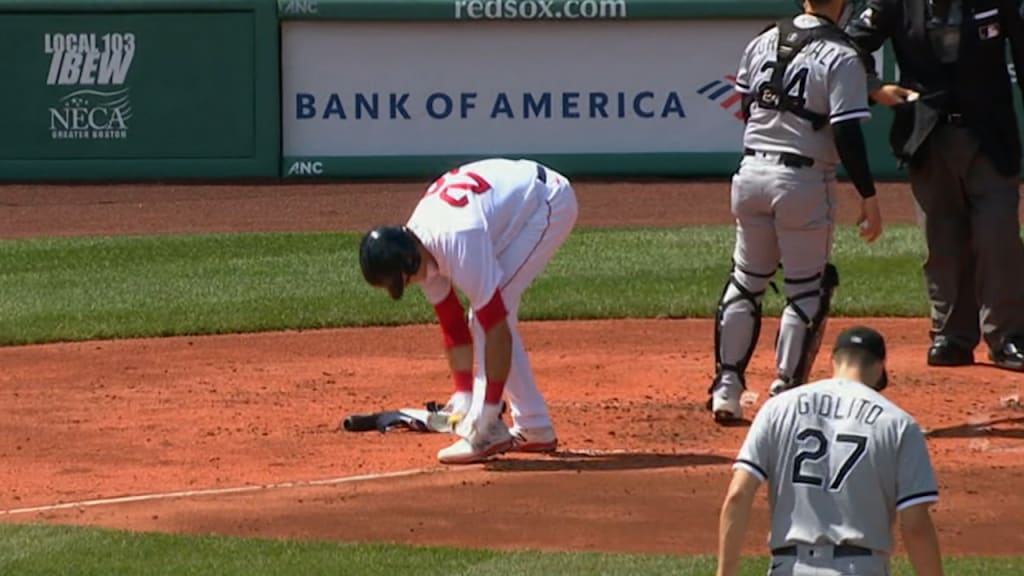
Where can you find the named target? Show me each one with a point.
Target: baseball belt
(839, 551)
(787, 159)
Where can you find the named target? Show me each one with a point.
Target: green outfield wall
(230, 89)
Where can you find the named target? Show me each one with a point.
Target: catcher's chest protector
(774, 95)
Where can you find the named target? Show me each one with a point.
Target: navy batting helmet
(388, 255)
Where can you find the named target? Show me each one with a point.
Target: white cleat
(478, 445)
(541, 439)
(725, 402)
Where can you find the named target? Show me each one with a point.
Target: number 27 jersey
(840, 460)
(827, 75)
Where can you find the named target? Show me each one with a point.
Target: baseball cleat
(541, 439)
(478, 445)
(725, 402)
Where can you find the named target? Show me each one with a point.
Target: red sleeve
(452, 317)
(493, 312)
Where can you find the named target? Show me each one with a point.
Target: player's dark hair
(862, 359)
(858, 357)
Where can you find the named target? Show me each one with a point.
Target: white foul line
(221, 491)
(283, 485)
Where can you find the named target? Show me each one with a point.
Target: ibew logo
(724, 93)
(97, 66)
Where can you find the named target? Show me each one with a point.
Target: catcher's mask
(388, 255)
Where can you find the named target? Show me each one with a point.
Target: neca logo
(90, 62)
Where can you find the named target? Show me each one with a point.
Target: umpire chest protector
(775, 94)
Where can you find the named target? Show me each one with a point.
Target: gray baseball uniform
(783, 200)
(829, 76)
(840, 460)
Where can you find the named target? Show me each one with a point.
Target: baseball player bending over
(840, 460)
(804, 89)
(487, 228)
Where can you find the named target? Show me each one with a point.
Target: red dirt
(76, 210)
(115, 418)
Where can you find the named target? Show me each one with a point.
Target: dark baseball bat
(361, 422)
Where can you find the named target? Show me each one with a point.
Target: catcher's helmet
(388, 255)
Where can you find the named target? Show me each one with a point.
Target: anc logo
(724, 93)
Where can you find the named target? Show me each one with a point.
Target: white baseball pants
(524, 260)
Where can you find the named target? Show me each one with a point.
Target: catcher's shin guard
(797, 343)
(741, 298)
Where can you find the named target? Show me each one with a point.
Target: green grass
(91, 288)
(54, 550)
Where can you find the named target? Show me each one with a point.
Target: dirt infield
(241, 422)
(27, 211)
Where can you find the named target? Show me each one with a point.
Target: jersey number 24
(816, 447)
(797, 87)
(454, 187)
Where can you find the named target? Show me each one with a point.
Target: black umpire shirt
(976, 85)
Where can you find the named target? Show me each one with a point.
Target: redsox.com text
(539, 9)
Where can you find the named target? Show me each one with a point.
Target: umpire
(960, 142)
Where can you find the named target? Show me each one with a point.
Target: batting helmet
(388, 255)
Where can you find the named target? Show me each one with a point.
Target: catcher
(805, 95)
(487, 228)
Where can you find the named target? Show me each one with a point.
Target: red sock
(464, 381)
(495, 390)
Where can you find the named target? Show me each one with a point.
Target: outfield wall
(162, 89)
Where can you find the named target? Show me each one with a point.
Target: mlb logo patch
(989, 31)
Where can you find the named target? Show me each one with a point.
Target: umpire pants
(975, 265)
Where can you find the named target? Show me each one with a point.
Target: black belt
(840, 551)
(785, 158)
(542, 174)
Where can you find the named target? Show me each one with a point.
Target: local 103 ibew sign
(93, 71)
(117, 89)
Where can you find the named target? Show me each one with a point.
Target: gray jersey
(828, 75)
(840, 460)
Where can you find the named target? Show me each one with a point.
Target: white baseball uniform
(495, 224)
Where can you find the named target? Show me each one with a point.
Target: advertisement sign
(109, 92)
(122, 85)
(421, 10)
(401, 98)
(414, 89)
(94, 68)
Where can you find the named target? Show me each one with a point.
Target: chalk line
(291, 484)
(222, 491)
